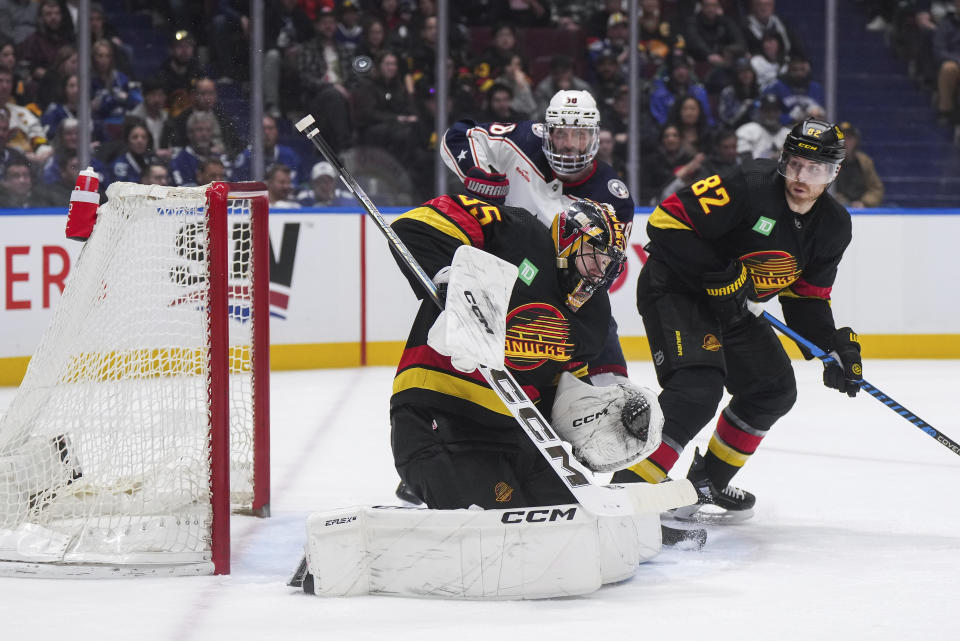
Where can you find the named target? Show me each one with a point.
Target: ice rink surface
(856, 537)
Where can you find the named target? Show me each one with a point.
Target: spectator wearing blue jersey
(678, 81)
(66, 106)
(322, 189)
(136, 155)
(273, 153)
(65, 143)
(184, 165)
(738, 98)
(210, 170)
(802, 96)
(58, 191)
(113, 94)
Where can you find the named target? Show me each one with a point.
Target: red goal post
(143, 418)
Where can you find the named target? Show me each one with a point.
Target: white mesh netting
(104, 451)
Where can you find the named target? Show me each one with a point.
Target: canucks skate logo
(771, 271)
(536, 333)
(188, 271)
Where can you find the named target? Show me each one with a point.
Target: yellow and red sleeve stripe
(802, 289)
(448, 218)
(671, 214)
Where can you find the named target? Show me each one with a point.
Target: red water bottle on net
(84, 200)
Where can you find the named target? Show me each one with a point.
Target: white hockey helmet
(572, 134)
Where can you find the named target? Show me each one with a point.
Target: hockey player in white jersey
(543, 167)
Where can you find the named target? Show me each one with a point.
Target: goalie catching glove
(611, 427)
(472, 328)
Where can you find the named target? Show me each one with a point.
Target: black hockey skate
(714, 505)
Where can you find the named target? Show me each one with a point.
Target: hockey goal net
(143, 416)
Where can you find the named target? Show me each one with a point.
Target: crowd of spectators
(926, 33)
(720, 80)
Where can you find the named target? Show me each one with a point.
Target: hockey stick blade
(928, 429)
(594, 498)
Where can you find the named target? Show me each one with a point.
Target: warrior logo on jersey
(618, 189)
(771, 271)
(536, 333)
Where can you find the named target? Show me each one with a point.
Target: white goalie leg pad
(528, 553)
(472, 329)
(611, 427)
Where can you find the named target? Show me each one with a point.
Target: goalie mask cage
(143, 418)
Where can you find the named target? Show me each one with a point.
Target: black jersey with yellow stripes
(544, 337)
(744, 215)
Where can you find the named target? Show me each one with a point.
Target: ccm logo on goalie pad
(538, 516)
(476, 310)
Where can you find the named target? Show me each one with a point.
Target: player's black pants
(453, 462)
(695, 360)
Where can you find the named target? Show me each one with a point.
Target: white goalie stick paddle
(609, 500)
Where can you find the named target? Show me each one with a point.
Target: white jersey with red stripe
(516, 150)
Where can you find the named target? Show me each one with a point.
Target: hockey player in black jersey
(454, 442)
(769, 228)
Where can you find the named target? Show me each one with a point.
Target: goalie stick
(605, 500)
(931, 431)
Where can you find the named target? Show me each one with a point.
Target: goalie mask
(590, 247)
(572, 131)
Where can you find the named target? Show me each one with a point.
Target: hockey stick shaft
(594, 498)
(931, 431)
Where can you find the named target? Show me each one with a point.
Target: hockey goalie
(501, 523)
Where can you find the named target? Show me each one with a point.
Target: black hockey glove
(489, 186)
(845, 376)
(728, 292)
